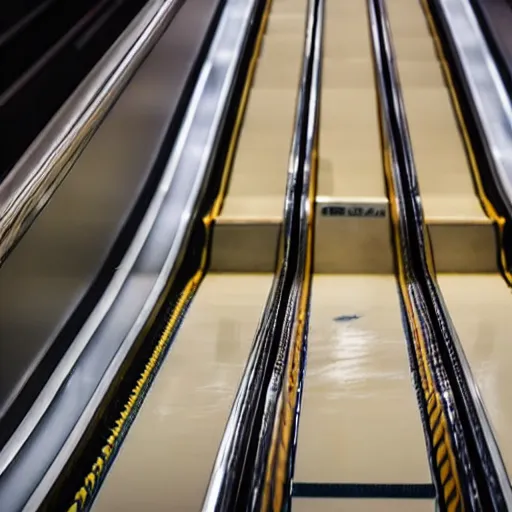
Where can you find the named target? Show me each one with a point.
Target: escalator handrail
(244, 476)
(173, 211)
(36, 176)
(493, 37)
(175, 206)
(450, 369)
(486, 89)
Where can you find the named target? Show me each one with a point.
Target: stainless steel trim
(40, 171)
(122, 126)
(495, 112)
(222, 493)
(188, 165)
(489, 94)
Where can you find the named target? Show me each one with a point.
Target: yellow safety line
(281, 437)
(487, 205)
(97, 469)
(441, 441)
(287, 417)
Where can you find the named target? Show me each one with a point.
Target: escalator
(198, 381)
(239, 335)
(359, 412)
(495, 17)
(447, 196)
(358, 404)
(480, 317)
(70, 210)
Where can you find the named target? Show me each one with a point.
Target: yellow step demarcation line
(97, 471)
(282, 437)
(487, 205)
(441, 442)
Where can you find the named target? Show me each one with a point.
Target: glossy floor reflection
(359, 414)
(170, 450)
(341, 505)
(166, 460)
(480, 306)
(360, 421)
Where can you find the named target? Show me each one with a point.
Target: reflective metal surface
(258, 444)
(55, 263)
(493, 103)
(59, 261)
(36, 177)
(169, 452)
(360, 421)
(77, 389)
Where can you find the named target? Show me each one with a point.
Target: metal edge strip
(222, 61)
(464, 380)
(102, 464)
(280, 465)
(37, 175)
(223, 488)
(487, 206)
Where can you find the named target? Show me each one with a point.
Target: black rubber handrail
(493, 196)
(500, 43)
(476, 475)
(247, 475)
